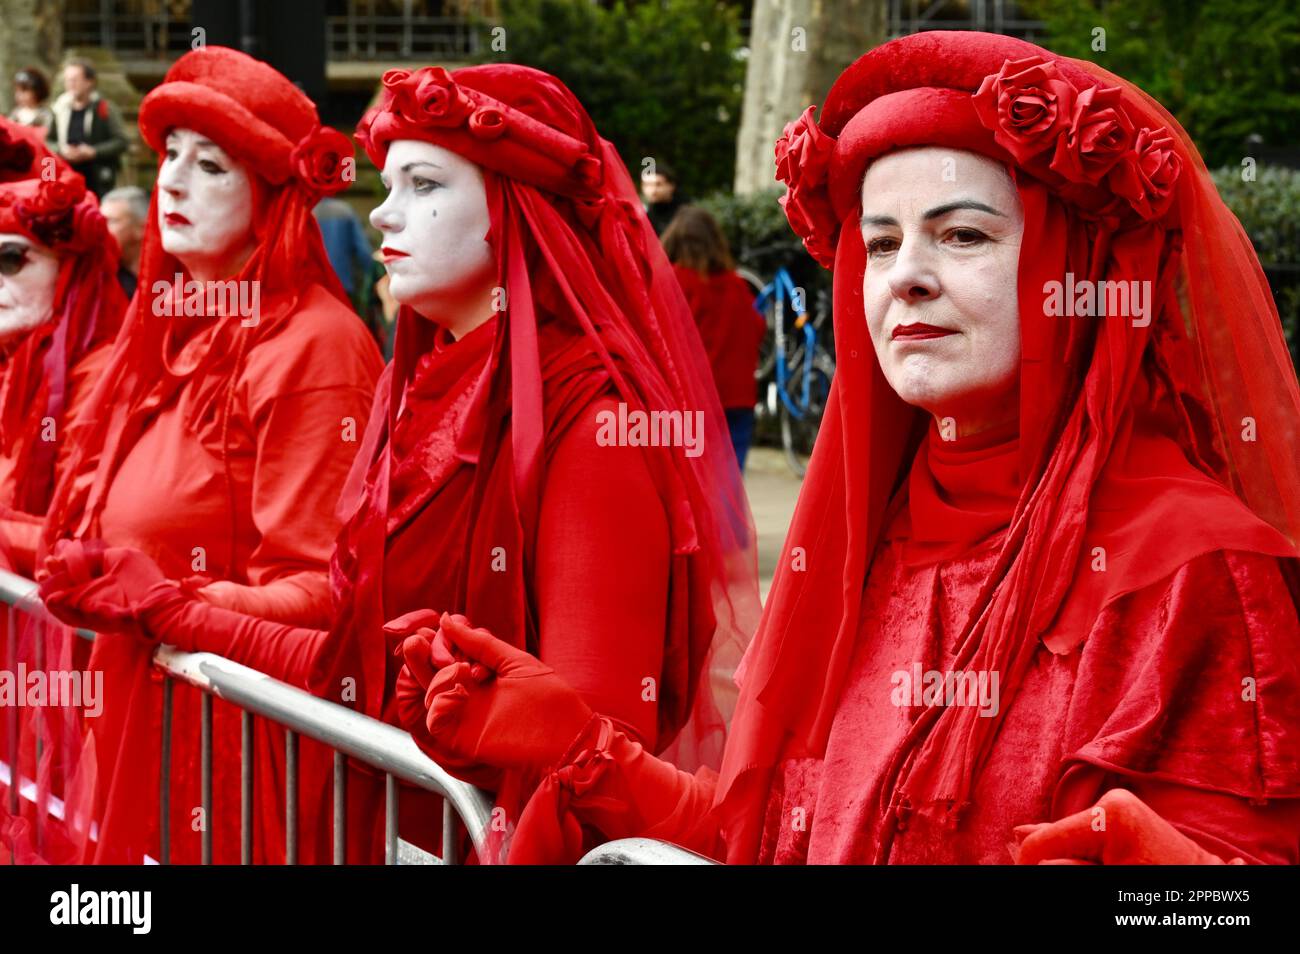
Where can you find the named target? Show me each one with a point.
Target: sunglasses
(13, 258)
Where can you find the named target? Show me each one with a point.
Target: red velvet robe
(1160, 671)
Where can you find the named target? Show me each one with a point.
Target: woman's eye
(170, 153)
(966, 236)
(424, 186)
(210, 167)
(882, 246)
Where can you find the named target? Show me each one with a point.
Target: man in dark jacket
(87, 131)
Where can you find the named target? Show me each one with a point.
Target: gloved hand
(89, 584)
(485, 702)
(412, 685)
(1120, 829)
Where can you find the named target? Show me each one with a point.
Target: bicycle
(797, 368)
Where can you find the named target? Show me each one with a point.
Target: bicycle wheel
(798, 434)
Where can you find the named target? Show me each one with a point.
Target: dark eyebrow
(936, 212)
(419, 162)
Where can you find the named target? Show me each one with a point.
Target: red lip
(920, 330)
(392, 253)
(175, 218)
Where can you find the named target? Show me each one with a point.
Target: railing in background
(348, 733)
(642, 851)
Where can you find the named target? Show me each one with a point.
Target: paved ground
(772, 489)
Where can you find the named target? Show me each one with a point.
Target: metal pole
(11, 716)
(390, 819)
(205, 743)
(164, 776)
(340, 808)
(246, 788)
(450, 853)
(291, 798)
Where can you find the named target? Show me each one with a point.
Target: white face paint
(27, 295)
(435, 224)
(205, 206)
(942, 229)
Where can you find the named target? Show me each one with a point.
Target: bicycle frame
(780, 289)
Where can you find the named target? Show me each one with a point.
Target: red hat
(254, 113)
(1048, 116)
(41, 197)
(512, 119)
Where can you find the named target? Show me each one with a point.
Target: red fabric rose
(487, 123)
(321, 161)
(1098, 136)
(438, 100)
(1027, 104)
(49, 214)
(803, 156)
(1147, 176)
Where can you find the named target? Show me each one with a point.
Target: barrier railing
(370, 741)
(642, 851)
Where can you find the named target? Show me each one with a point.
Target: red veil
(1156, 444)
(591, 305)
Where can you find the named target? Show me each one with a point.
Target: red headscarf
(592, 304)
(260, 118)
(1125, 432)
(42, 198)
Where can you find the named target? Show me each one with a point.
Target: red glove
(1120, 829)
(102, 588)
(487, 703)
(412, 686)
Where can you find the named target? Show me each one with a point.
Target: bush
(761, 239)
(661, 79)
(1269, 210)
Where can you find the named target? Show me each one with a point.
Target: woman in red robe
(546, 452)
(222, 431)
(1040, 596)
(60, 306)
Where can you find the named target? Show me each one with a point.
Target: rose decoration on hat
(322, 161)
(487, 123)
(1077, 139)
(58, 214)
(1147, 180)
(803, 155)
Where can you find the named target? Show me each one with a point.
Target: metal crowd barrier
(642, 851)
(348, 733)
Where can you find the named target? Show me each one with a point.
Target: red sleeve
(602, 576)
(1188, 693)
(308, 399)
(279, 650)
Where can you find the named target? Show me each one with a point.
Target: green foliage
(1269, 211)
(761, 239)
(661, 79)
(1228, 69)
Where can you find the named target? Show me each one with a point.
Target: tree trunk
(32, 35)
(797, 49)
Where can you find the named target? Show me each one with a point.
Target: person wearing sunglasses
(60, 307)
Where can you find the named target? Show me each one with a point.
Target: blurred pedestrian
(127, 210)
(660, 196)
(723, 306)
(31, 90)
(87, 130)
